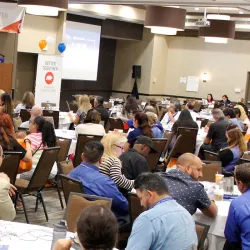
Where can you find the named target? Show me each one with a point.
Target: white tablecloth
(68, 134)
(217, 225)
(64, 120)
(20, 236)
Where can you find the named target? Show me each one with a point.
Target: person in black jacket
(98, 104)
(225, 101)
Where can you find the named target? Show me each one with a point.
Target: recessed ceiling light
(241, 12)
(196, 8)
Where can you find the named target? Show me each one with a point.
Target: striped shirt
(36, 140)
(112, 167)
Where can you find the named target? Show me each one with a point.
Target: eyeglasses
(118, 146)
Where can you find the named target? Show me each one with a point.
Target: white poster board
(192, 83)
(48, 79)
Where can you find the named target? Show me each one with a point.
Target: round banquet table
(216, 238)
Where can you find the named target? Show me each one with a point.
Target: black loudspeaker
(136, 72)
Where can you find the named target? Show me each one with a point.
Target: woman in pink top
(42, 135)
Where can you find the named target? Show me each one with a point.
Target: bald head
(191, 165)
(36, 111)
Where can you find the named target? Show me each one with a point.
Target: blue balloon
(61, 47)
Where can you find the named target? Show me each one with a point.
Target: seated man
(190, 107)
(7, 210)
(184, 187)
(96, 229)
(216, 137)
(166, 224)
(98, 104)
(35, 112)
(96, 183)
(134, 160)
(237, 230)
(171, 116)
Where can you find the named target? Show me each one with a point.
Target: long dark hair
(185, 120)
(130, 105)
(142, 119)
(7, 104)
(47, 130)
(212, 99)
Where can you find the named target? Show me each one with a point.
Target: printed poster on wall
(48, 79)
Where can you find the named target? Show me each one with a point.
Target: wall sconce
(204, 77)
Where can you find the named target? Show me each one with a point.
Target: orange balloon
(43, 44)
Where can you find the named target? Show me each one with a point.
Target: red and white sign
(48, 79)
(11, 17)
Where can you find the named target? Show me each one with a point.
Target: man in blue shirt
(95, 183)
(166, 224)
(237, 230)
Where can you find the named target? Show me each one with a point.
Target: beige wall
(7, 46)
(36, 28)
(226, 64)
(129, 53)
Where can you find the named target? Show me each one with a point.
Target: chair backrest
(202, 232)
(211, 156)
(82, 140)
(168, 135)
(54, 114)
(65, 167)
(43, 168)
(188, 141)
(210, 169)
(77, 203)
(10, 165)
(135, 208)
(50, 119)
(25, 115)
(175, 146)
(204, 122)
(241, 161)
(70, 185)
(197, 106)
(64, 145)
(17, 121)
(153, 158)
(115, 124)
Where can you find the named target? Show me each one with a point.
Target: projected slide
(80, 60)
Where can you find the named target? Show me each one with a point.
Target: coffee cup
(218, 178)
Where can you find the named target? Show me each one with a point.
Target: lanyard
(173, 116)
(162, 201)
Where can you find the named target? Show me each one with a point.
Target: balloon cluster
(61, 46)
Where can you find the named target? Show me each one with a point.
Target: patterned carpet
(53, 207)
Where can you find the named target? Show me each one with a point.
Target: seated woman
(27, 102)
(42, 135)
(152, 120)
(128, 109)
(8, 140)
(91, 124)
(230, 155)
(241, 114)
(111, 166)
(185, 120)
(84, 107)
(6, 104)
(238, 116)
(210, 99)
(142, 127)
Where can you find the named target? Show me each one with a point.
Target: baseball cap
(141, 139)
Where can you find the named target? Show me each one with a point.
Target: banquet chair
(25, 115)
(38, 180)
(10, 164)
(70, 185)
(77, 203)
(246, 155)
(135, 208)
(17, 121)
(168, 135)
(202, 232)
(210, 169)
(153, 157)
(204, 122)
(65, 167)
(64, 145)
(242, 160)
(115, 124)
(211, 156)
(54, 114)
(197, 107)
(82, 140)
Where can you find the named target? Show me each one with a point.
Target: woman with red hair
(8, 141)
